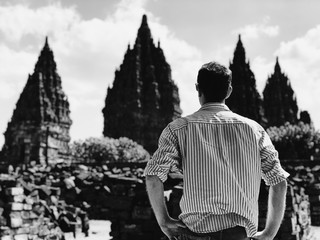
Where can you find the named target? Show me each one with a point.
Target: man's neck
(208, 102)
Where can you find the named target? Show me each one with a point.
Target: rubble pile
(307, 177)
(69, 196)
(314, 197)
(31, 208)
(24, 216)
(117, 193)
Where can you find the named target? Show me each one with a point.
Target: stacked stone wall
(306, 175)
(30, 210)
(23, 216)
(117, 193)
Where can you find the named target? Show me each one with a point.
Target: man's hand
(262, 236)
(172, 228)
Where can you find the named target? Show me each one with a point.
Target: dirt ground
(315, 233)
(99, 230)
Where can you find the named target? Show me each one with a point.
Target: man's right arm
(170, 227)
(164, 160)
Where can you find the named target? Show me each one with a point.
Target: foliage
(295, 141)
(106, 150)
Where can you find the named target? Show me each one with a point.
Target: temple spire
(279, 99)
(46, 44)
(143, 85)
(244, 87)
(144, 33)
(277, 68)
(239, 52)
(46, 61)
(144, 20)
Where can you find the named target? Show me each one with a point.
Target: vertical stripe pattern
(222, 157)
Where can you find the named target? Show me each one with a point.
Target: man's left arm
(276, 209)
(275, 177)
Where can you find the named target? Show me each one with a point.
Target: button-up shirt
(222, 157)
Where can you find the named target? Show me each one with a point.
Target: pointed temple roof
(277, 68)
(42, 113)
(42, 98)
(143, 98)
(279, 98)
(239, 53)
(245, 98)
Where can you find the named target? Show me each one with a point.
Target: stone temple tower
(245, 98)
(39, 128)
(143, 98)
(280, 101)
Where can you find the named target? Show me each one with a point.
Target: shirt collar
(215, 107)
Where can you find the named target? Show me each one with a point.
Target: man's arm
(276, 208)
(170, 227)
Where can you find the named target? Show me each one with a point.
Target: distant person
(84, 222)
(222, 157)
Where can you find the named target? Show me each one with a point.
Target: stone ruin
(279, 99)
(31, 208)
(39, 128)
(116, 192)
(143, 98)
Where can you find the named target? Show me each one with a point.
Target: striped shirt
(222, 157)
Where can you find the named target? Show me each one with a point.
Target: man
(222, 157)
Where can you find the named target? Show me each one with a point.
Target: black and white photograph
(159, 120)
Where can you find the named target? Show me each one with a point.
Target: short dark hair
(213, 81)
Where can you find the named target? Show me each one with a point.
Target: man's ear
(229, 91)
(198, 90)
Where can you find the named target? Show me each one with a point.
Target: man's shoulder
(247, 121)
(178, 123)
(184, 121)
(225, 117)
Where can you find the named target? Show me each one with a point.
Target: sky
(89, 40)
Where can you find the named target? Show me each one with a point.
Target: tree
(295, 141)
(103, 150)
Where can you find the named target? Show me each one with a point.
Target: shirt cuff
(161, 171)
(275, 176)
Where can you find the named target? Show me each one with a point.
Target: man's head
(213, 83)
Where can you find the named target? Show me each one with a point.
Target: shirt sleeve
(166, 158)
(272, 172)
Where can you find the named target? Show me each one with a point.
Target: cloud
(262, 68)
(87, 52)
(15, 66)
(254, 31)
(304, 49)
(11, 79)
(19, 20)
